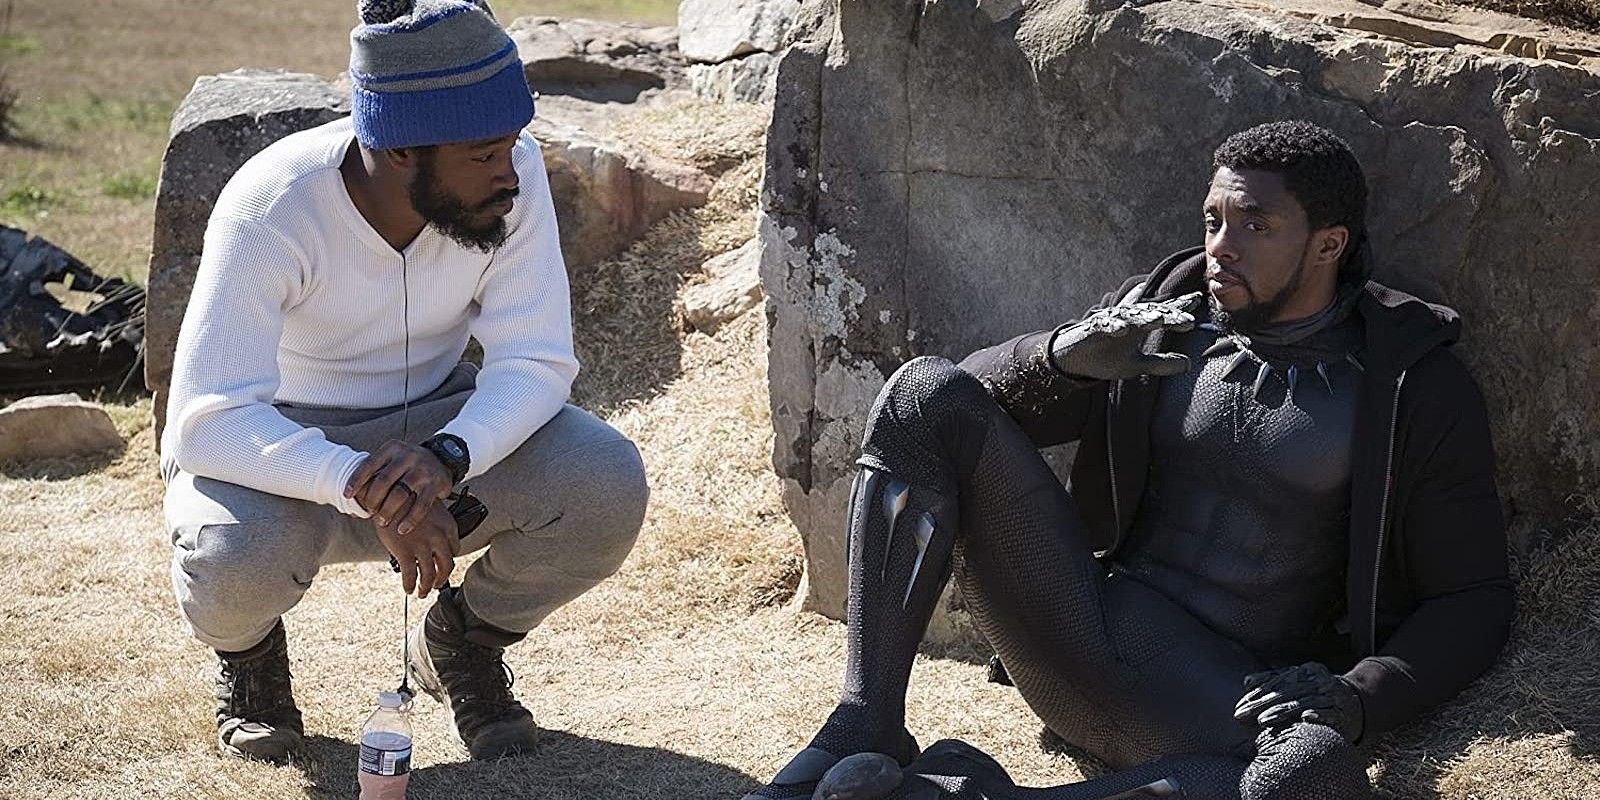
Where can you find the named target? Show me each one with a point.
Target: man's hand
(1101, 347)
(426, 555)
(1307, 693)
(398, 483)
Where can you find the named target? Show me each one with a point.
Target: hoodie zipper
(1111, 466)
(1383, 508)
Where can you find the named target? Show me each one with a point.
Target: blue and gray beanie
(433, 71)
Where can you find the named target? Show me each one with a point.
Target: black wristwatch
(451, 451)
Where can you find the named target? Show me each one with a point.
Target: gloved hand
(1100, 346)
(1307, 693)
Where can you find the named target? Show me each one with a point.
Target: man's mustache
(1213, 270)
(500, 197)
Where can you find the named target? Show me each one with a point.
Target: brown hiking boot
(457, 659)
(256, 714)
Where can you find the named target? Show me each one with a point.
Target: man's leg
(241, 558)
(930, 437)
(565, 509)
(1083, 647)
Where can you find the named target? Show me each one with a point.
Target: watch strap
(441, 445)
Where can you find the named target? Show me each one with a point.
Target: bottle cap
(392, 700)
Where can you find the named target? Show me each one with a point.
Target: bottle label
(375, 761)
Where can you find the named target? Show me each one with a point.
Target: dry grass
(1580, 14)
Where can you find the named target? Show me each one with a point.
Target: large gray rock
(710, 31)
(54, 426)
(737, 43)
(223, 121)
(1021, 157)
(603, 61)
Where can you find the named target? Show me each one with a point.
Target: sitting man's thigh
(1179, 679)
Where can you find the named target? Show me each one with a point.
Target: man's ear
(400, 159)
(1329, 244)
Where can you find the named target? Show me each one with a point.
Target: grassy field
(97, 83)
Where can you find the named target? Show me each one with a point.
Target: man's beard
(1257, 314)
(446, 213)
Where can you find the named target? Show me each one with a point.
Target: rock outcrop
(733, 287)
(712, 31)
(606, 193)
(1021, 157)
(735, 44)
(54, 426)
(599, 61)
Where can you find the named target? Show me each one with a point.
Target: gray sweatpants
(564, 510)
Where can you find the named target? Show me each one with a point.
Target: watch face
(453, 448)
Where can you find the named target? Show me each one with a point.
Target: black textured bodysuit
(1244, 521)
(1139, 661)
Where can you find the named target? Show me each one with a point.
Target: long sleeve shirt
(298, 300)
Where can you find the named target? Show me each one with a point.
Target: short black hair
(1317, 167)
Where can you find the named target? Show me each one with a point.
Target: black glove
(1100, 345)
(1307, 693)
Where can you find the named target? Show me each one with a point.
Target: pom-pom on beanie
(426, 72)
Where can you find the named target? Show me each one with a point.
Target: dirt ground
(690, 674)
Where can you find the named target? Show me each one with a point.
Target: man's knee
(613, 503)
(1305, 762)
(929, 413)
(586, 512)
(234, 579)
(932, 384)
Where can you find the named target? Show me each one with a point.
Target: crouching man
(320, 411)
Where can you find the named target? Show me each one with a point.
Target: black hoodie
(1429, 600)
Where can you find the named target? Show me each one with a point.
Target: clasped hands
(1307, 693)
(403, 487)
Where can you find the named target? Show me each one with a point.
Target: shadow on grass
(60, 469)
(624, 324)
(25, 141)
(564, 766)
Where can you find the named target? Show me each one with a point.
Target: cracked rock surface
(1020, 158)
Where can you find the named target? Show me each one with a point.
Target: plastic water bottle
(386, 749)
